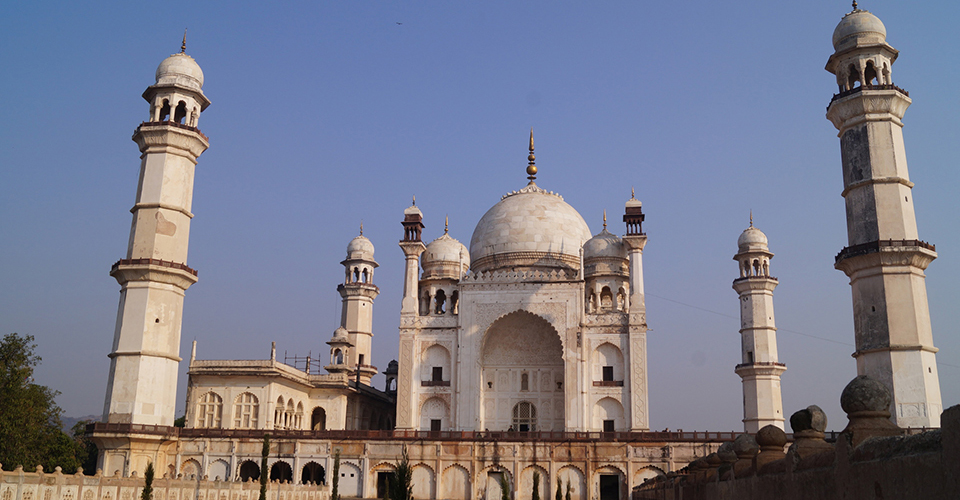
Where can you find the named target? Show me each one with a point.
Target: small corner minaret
(759, 367)
(144, 361)
(635, 240)
(884, 258)
(356, 316)
(412, 247)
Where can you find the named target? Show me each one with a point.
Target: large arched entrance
(521, 373)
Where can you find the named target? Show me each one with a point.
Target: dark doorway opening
(435, 425)
(383, 483)
(281, 471)
(249, 471)
(609, 487)
(313, 473)
(608, 426)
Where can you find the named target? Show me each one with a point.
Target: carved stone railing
(875, 246)
(434, 383)
(152, 262)
(857, 90)
(172, 123)
(608, 383)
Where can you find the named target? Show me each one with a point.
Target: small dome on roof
(858, 27)
(340, 337)
(180, 69)
(752, 239)
(443, 256)
(360, 248)
(604, 244)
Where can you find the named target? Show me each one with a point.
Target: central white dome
(529, 228)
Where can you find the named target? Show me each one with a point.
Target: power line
(795, 332)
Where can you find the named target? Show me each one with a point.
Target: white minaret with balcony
(759, 367)
(153, 277)
(885, 259)
(356, 316)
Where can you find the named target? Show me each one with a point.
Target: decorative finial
(446, 224)
(854, 4)
(414, 200)
(632, 195)
(361, 227)
(751, 217)
(604, 219)
(183, 46)
(531, 167)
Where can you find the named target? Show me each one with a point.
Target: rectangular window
(749, 356)
(437, 373)
(360, 362)
(608, 374)
(435, 425)
(608, 426)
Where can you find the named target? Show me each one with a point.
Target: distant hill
(69, 422)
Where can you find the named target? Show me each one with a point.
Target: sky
(326, 114)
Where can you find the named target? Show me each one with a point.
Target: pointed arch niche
(521, 347)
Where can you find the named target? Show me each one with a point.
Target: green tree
(401, 482)
(334, 493)
(86, 451)
(147, 492)
(559, 495)
(264, 453)
(568, 497)
(30, 425)
(536, 486)
(504, 486)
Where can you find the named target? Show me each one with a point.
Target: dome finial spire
(183, 45)
(604, 219)
(751, 217)
(633, 195)
(361, 227)
(414, 200)
(854, 5)
(446, 223)
(531, 167)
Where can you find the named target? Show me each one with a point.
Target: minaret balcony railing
(874, 246)
(152, 262)
(744, 278)
(760, 363)
(174, 124)
(856, 90)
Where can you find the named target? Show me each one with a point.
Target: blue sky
(328, 113)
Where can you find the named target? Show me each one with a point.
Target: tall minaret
(142, 385)
(358, 292)
(759, 367)
(885, 258)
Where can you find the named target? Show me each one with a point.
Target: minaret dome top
(752, 240)
(360, 248)
(859, 28)
(180, 69)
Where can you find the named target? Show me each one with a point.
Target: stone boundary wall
(20, 485)
(872, 458)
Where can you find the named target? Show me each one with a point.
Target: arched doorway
(281, 471)
(313, 473)
(521, 360)
(249, 471)
(318, 419)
